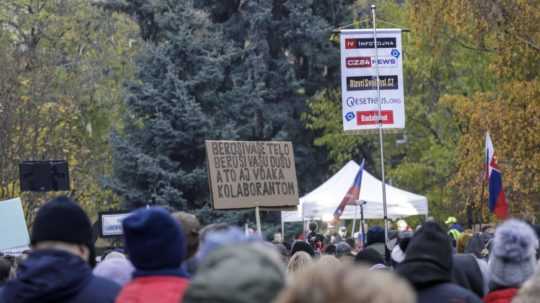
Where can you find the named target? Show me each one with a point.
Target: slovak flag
(352, 195)
(497, 199)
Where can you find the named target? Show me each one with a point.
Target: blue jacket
(55, 276)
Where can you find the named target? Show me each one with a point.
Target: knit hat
(219, 238)
(246, 273)
(302, 246)
(375, 235)
(115, 269)
(154, 240)
(63, 220)
(429, 257)
(343, 249)
(513, 256)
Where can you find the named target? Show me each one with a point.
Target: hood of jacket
(48, 276)
(428, 259)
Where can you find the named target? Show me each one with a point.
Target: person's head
(463, 240)
(302, 246)
(339, 283)
(298, 262)
(326, 260)
(513, 256)
(211, 228)
(5, 270)
(450, 221)
(375, 235)
(191, 227)
(530, 291)
(428, 259)
(343, 249)
(61, 224)
(116, 269)
(313, 226)
(154, 240)
(330, 250)
(368, 257)
(245, 273)
(283, 252)
(222, 237)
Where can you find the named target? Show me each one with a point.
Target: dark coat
(60, 277)
(467, 274)
(446, 292)
(428, 266)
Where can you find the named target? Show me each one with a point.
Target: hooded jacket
(428, 266)
(49, 276)
(466, 273)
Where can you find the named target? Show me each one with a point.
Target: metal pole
(362, 226)
(354, 220)
(373, 7)
(258, 218)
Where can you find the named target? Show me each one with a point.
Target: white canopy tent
(323, 201)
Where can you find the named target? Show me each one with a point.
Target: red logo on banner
(351, 43)
(372, 117)
(353, 62)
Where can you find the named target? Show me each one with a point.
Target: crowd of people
(170, 258)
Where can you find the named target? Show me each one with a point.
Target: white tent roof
(323, 201)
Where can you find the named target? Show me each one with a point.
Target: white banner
(359, 82)
(111, 224)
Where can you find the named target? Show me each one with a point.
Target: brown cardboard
(246, 174)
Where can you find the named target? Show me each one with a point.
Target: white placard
(111, 224)
(358, 79)
(13, 229)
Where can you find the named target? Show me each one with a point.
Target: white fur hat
(513, 256)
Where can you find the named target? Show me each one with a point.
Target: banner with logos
(13, 229)
(359, 80)
(247, 174)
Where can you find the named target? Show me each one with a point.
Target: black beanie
(369, 256)
(428, 259)
(302, 246)
(63, 220)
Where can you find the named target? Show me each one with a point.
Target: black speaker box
(44, 176)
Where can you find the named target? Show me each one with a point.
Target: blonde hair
(338, 283)
(530, 291)
(298, 262)
(328, 260)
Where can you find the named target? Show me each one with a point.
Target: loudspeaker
(44, 176)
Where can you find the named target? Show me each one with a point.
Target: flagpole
(385, 211)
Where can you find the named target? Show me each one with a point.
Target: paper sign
(111, 224)
(13, 229)
(360, 101)
(246, 174)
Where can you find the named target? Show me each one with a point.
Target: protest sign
(12, 225)
(111, 223)
(246, 174)
(360, 101)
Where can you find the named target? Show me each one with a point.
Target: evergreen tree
(171, 109)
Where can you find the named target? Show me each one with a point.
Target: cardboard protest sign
(13, 229)
(246, 174)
